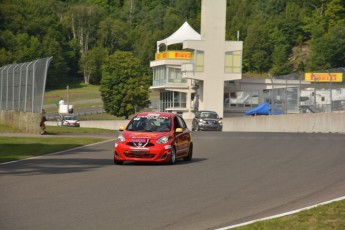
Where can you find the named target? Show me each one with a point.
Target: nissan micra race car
(154, 137)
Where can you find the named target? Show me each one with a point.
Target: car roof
(206, 111)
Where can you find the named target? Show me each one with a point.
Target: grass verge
(328, 216)
(67, 129)
(16, 148)
(75, 93)
(8, 129)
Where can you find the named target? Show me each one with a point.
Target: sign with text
(324, 77)
(173, 55)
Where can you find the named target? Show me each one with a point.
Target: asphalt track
(234, 178)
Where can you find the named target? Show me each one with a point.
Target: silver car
(207, 120)
(68, 121)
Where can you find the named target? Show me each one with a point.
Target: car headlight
(121, 138)
(162, 140)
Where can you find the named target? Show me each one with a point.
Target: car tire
(172, 159)
(190, 153)
(118, 162)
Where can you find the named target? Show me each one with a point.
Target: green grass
(16, 148)
(8, 129)
(59, 130)
(67, 129)
(75, 93)
(329, 216)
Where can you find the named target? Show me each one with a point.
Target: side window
(182, 123)
(176, 123)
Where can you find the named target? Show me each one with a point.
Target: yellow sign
(324, 77)
(173, 55)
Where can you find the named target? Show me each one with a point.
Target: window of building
(165, 75)
(159, 76)
(170, 99)
(175, 76)
(226, 99)
(233, 61)
(199, 61)
(177, 99)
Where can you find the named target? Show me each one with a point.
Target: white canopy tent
(185, 32)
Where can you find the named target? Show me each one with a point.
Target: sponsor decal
(323, 77)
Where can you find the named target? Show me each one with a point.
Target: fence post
(330, 89)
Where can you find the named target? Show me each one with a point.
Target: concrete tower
(197, 73)
(213, 17)
(222, 60)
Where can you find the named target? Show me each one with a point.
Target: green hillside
(280, 36)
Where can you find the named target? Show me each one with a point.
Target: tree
(90, 63)
(113, 34)
(258, 49)
(84, 21)
(124, 87)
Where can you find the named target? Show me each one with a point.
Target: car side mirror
(121, 128)
(179, 130)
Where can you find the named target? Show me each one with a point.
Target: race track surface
(233, 178)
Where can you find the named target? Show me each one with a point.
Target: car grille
(212, 122)
(139, 154)
(137, 144)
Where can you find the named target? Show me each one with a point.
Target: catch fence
(22, 86)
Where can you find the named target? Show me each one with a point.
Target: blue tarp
(264, 109)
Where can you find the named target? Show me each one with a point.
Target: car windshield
(213, 115)
(150, 124)
(70, 118)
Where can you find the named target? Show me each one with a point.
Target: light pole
(67, 98)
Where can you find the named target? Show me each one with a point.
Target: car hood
(149, 135)
(210, 119)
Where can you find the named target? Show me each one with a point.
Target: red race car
(154, 137)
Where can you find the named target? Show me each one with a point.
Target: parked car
(68, 121)
(207, 120)
(154, 137)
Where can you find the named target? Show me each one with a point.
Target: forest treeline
(280, 36)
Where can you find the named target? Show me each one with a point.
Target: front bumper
(72, 124)
(157, 153)
(208, 127)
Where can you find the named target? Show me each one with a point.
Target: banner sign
(324, 77)
(173, 55)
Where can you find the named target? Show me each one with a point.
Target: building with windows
(206, 73)
(193, 78)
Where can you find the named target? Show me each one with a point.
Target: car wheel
(172, 156)
(118, 162)
(190, 153)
